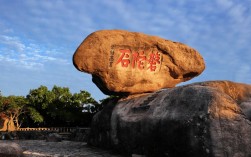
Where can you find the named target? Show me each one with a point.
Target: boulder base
(124, 62)
(202, 119)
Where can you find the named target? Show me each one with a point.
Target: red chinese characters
(139, 59)
(124, 58)
(154, 59)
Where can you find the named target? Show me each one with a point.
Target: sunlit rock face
(201, 119)
(129, 62)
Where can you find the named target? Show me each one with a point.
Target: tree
(40, 99)
(87, 107)
(55, 108)
(60, 108)
(15, 108)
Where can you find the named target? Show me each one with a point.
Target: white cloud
(27, 55)
(13, 42)
(8, 30)
(225, 3)
(51, 22)
(31, 65)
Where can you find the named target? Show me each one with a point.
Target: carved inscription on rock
(139, 58)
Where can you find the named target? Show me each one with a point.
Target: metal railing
(58, 129)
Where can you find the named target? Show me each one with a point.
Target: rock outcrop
(208, 119)
(124, 62)
(10, 149)
(53, 137)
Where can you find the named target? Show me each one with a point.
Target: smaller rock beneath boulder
(10, 149)
(246, 108)
(208, 119)
(53, 137)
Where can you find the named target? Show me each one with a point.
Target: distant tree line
(42, 107)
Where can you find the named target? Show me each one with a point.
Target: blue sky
(38, 38)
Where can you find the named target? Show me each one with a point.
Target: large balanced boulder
(198, 120)
(123, 62)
